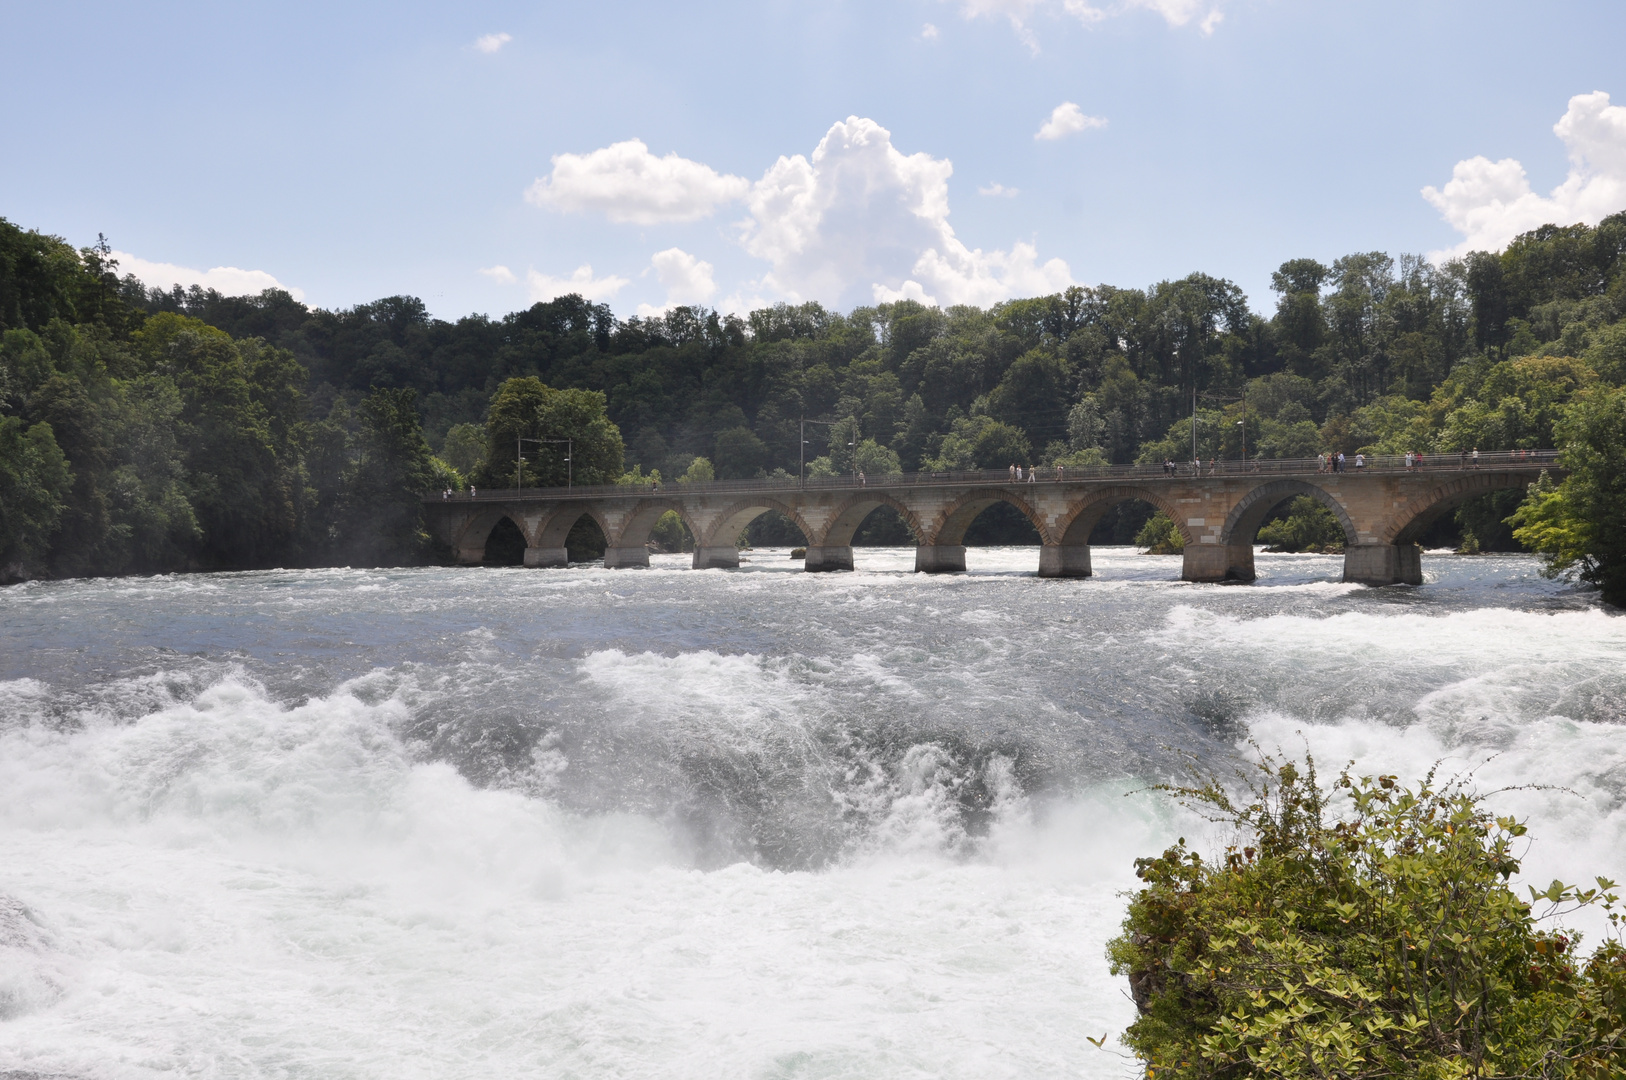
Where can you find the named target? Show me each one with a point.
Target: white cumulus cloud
(1020, 13)
(1491, 202)
(686, 279)
(627, 183)
(998, 191)
(227, 280)
(500, 274)
(929, 32)
(490, 43)
(546, 287)
(861, 212)
(1067, 119)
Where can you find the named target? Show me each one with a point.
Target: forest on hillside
(144, 430)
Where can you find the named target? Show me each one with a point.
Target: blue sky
(352, 151)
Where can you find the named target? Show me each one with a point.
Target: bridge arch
(640, 523)
(470, 540)
(848, 516)
(553, 530)
(727, 526)
(954, 519)
(1074, 529)
(1413, 517)
(1242, 524)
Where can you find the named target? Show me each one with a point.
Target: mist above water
(485, 822)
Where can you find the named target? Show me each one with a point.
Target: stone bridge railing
(1383, 506)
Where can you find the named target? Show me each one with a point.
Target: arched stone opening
(473, 538)
(719, 548)
(631, 546)
(1069, 556)
(564, 537)
(1395, 559)
(586, 542)
(504, 544)
(946, 551)
(1241, 527)
(834, 550)
(773, 529)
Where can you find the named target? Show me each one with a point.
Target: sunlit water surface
(668, 823)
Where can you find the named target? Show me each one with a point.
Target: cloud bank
(627, 183)
(860, 211)
(546, 287)
(227, 280)
(1020, 13)
(686, 279)
(1491, 202)
(856, 221)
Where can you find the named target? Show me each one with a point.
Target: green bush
(1384, 942)
(1308, 526)
(1159, 536)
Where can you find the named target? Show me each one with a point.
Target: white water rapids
(667, 823)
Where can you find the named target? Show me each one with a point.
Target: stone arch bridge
(1383, 508)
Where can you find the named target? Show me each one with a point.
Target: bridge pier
(1217, 562)
(546, 556)
(617, 558)
(830, 557)
(1383, 564)
(940, 559)
(1064, 561)
(721, 557)
(471, 556)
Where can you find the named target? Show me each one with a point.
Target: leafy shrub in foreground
(1382, 943)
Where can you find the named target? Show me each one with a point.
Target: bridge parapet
(1217, 507)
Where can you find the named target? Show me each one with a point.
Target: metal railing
(1387, 464)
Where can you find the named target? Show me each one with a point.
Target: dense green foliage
(1307, 526)
(1380, 942)
(204, 430)
(1580, 524)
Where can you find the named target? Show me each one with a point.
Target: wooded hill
(190, 429)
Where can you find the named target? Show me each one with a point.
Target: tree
(464, 447)
(34, 481)
(1580, 524)
(527, 407)
(1384, 942)
(700, 471)
(981, 442)
(1033, 395)
(740, 454)
(393, 471)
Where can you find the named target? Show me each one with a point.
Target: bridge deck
(1382, 508)
(1384, 464)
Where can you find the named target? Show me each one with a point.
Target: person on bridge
(1476, 457)
(1340, 461)
(1360, 462)
(1033, 474)
(1013, 473)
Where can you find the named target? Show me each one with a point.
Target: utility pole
(1194, 456)
(519, 459)
(801, 449)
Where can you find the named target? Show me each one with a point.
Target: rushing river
(666, 823)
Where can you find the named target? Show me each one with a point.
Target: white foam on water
(238, 888)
